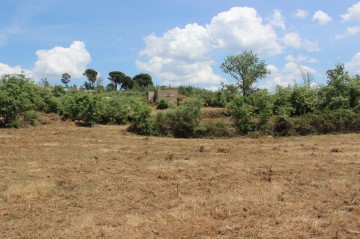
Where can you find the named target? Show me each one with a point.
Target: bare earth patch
(63, 181)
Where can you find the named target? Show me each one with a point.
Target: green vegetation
(164, 104)
(19, 94)
(181, 121)
(246, 68)
(293, 110)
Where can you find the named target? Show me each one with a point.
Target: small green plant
(31, 117)
(163, 104)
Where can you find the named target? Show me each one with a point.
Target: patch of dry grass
(63, 181)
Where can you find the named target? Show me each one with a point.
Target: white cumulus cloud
(6, 69)
(300, 13)
(278, 20)
(288, 76)
(322, 17)
(182, 55)
(301, 58)
(294, 40)
(350, 32)
(352, 14)
(311, 46)
(56, 61)
(241, 28)
(174, 72)
(353, 66)
(191, 42)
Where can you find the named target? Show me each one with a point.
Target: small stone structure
(170, 95)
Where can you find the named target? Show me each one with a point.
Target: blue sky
(179, 42)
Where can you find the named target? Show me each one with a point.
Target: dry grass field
(64, 181)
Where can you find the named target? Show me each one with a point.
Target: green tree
(65, 79)
(303, 100)
(44, 82)
(91, 76)
(246, 68)
(354, 93)
(336, 94)
(227, 93)
(143, 80)
(282, 101)
(119, 78)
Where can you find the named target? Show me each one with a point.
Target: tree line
(118, 80)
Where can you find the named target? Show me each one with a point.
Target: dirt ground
(64, 181)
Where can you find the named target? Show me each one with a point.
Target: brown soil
(63, 181)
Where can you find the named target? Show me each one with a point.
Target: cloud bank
(182, 55)
(54, 62)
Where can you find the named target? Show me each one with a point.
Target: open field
(63, 181)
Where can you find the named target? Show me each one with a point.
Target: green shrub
(337, 121)
(186, 117)
(321, 124)
(83, 107)
(180, 122)
(116, 110)
(162, 125)
(19, 94)
(163, 104)
(242, 113)
(31, 117)
(302, 125)
(303, 100)
(212, 129)
(325, 122)
(58, 91)
(283, 126)
(282, 102)
(140, 118)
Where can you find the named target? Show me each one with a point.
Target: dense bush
(212, 129)
(86, 108)
(303, 100)
(336, 121)
(116, 110)
(19, 94)
(282, 102)
(242, 114)
(140, 118)
(180, 122)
